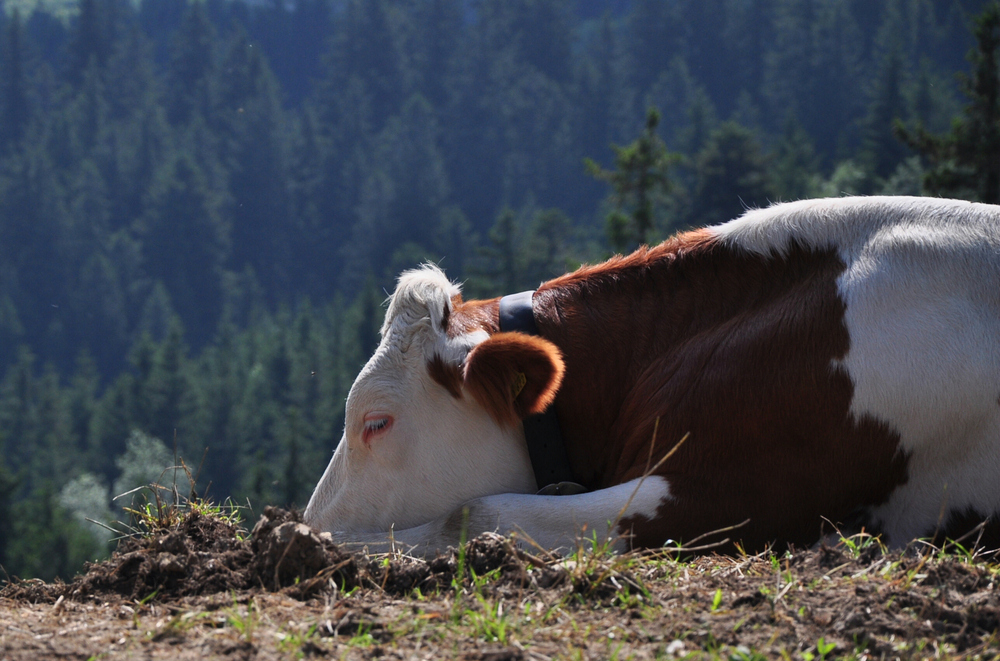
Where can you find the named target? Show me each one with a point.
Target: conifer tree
(965, 161)
(370, 321)
(89, 42)
(82, 399)
(732, 176)
(639, 182)
(546, 245)
(795, 165)
(186, 242)
(438, 22)
(499, 264)
(253, 147)
(190, 73)
(9, 484)
(366, 47)
(167, 389)
(14, 109)
(881, 151)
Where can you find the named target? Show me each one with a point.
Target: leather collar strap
(541, 432)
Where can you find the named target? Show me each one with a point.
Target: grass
(162, 507)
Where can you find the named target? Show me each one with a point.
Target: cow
(814, 363)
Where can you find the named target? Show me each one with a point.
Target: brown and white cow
(834, 359)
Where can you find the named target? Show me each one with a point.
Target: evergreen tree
(964, 162)
(437, 24)
(254, 151)
(131, 75)
(186, 242)
(639, 183)
(190, 75)
(599, 90)
(654, 40)
(366, 46)
(89, 42)
(53, 455)
(542, 32)
(404, 194)
(32, 244)
(19, 411)
(750, 32)
(111, 424)
(832, 94)
(881, 151)
(9, 484)
(701, 122)
(371, 314)
(293, 469)
(706, 45)
(499, 268)
(678, 97)
(340, 144)
(14, 107)
(454, 242)
(795, 167)
(547, 245)
(167, 390)
(732, 176)
(297, 64)
(47, 542)
(82, 400)
(217, 394)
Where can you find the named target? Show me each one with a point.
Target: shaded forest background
(203, 205)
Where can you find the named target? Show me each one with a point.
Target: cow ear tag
(519, 382)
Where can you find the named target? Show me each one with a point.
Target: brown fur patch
(736, 349)
(492, 368)
(471, 316)
(448, 376)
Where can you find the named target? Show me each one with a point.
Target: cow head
(433, 419)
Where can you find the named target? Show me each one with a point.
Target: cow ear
(513, 375)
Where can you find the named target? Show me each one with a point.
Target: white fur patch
(922, 291)
(420, 293)
(552, 522)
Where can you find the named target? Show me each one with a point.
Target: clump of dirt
(286, 553)
(201, 555)
(488, 553)
(204, 555)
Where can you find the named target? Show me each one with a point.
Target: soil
(205, 588)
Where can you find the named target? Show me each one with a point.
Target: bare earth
(202, 588)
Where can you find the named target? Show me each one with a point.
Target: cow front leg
(551, 522)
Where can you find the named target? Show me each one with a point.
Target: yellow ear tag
(519, 380)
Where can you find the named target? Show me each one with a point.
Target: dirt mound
(286, 553)
(204, 555)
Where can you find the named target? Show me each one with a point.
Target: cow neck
(542, 433)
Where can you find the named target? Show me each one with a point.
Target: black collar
(541, 432)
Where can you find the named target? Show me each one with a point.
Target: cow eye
(375, 425)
